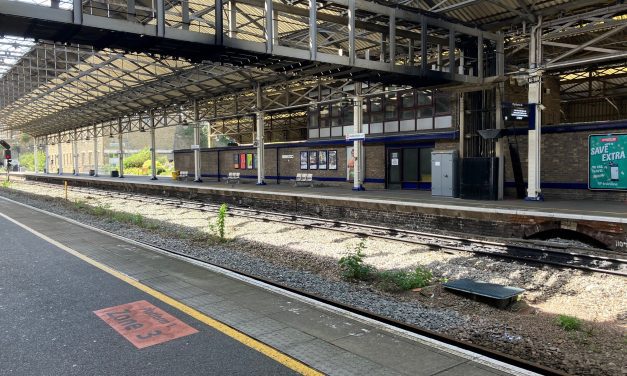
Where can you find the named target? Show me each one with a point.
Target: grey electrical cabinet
(444, 176)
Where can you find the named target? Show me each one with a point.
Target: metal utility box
(444, 177)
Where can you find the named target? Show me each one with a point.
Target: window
(391, 107)
(442, 104)
(407, 106)
(376, 110)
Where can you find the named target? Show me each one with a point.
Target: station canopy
(48, 87)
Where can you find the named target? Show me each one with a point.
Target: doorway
(409, 168)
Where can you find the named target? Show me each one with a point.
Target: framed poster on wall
(313, 160)
(242, 161)
(249, 161)
(303, 160)
(322, 160)
(350, 163)
(332, 159)
(607, 161)
(235, 161)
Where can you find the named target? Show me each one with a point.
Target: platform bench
(303, 180)
(232, 178)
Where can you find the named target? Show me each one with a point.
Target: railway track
(526, 253)
(396, 324)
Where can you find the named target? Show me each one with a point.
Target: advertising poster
(322, 160)
(249, 161)
(332, 159)
(607, 162)
(303, 160)
(242, 161)
(235, 161)
(350, 163)
(313, 160)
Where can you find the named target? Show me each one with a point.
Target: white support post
(260, 149)
(232, 25)
(196, 147)
(35, 154)
(358, 102)
(462, 125)
(47, 153)
(534, 193)
(351, 32)
(60, 155)
(77, 12)
(160, 18)
(260, 139)
(95, 150)
(313, 30)
(74, 155)
(269, 26)
(120, 148)
(153, 147)
(500, 142)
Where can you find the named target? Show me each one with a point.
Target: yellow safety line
(270, 352)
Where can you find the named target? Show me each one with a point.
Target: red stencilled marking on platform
(143, 324)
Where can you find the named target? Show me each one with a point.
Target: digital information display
(515, 111)
(607, 161)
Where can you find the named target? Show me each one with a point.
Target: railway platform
(96, 303)
(603, 223)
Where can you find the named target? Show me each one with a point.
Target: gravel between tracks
(307, 259)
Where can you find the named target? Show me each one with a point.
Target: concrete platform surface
(587, 209)
(48, 300)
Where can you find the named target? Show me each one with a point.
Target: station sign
(607, 162)
(356, 137)
(195, 147)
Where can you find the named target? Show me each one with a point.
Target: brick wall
(564, 160)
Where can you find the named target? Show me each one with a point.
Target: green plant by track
(400, 280)
(353, 266)
(6, 184)
(218, 228)
(114, 215)
(568, 323)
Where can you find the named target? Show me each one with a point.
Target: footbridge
(356, 39)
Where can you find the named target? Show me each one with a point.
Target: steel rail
(482, 350)
(544, 255)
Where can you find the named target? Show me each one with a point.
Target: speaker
(479, 178)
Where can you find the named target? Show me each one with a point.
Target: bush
(147, 167)
(353, 267)
(395, 280)
(27, 160)
(138, 159)
(568, 323)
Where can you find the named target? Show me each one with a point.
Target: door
(394, 168)
(447, 174)
(436, 174)
(410, 168)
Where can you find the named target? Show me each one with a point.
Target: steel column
(153, 147)
(219, 18)
(196, 146)
(269, 31)
(392, 44)
(534, 192)
(313, 30)
(74, 155)
(160, 18)
(120, 148)
(500, 142)
(47, 154)
(358, 154)
(35, 154)
(60, 155)
(351, 32)
(260, 139)
(77, 12)
(95, 150)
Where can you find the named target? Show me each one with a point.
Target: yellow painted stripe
(270, 352)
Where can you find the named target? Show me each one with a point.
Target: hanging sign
(607, 161)
(356, 137)
(195, 147)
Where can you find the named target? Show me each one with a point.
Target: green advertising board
(607, 161)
